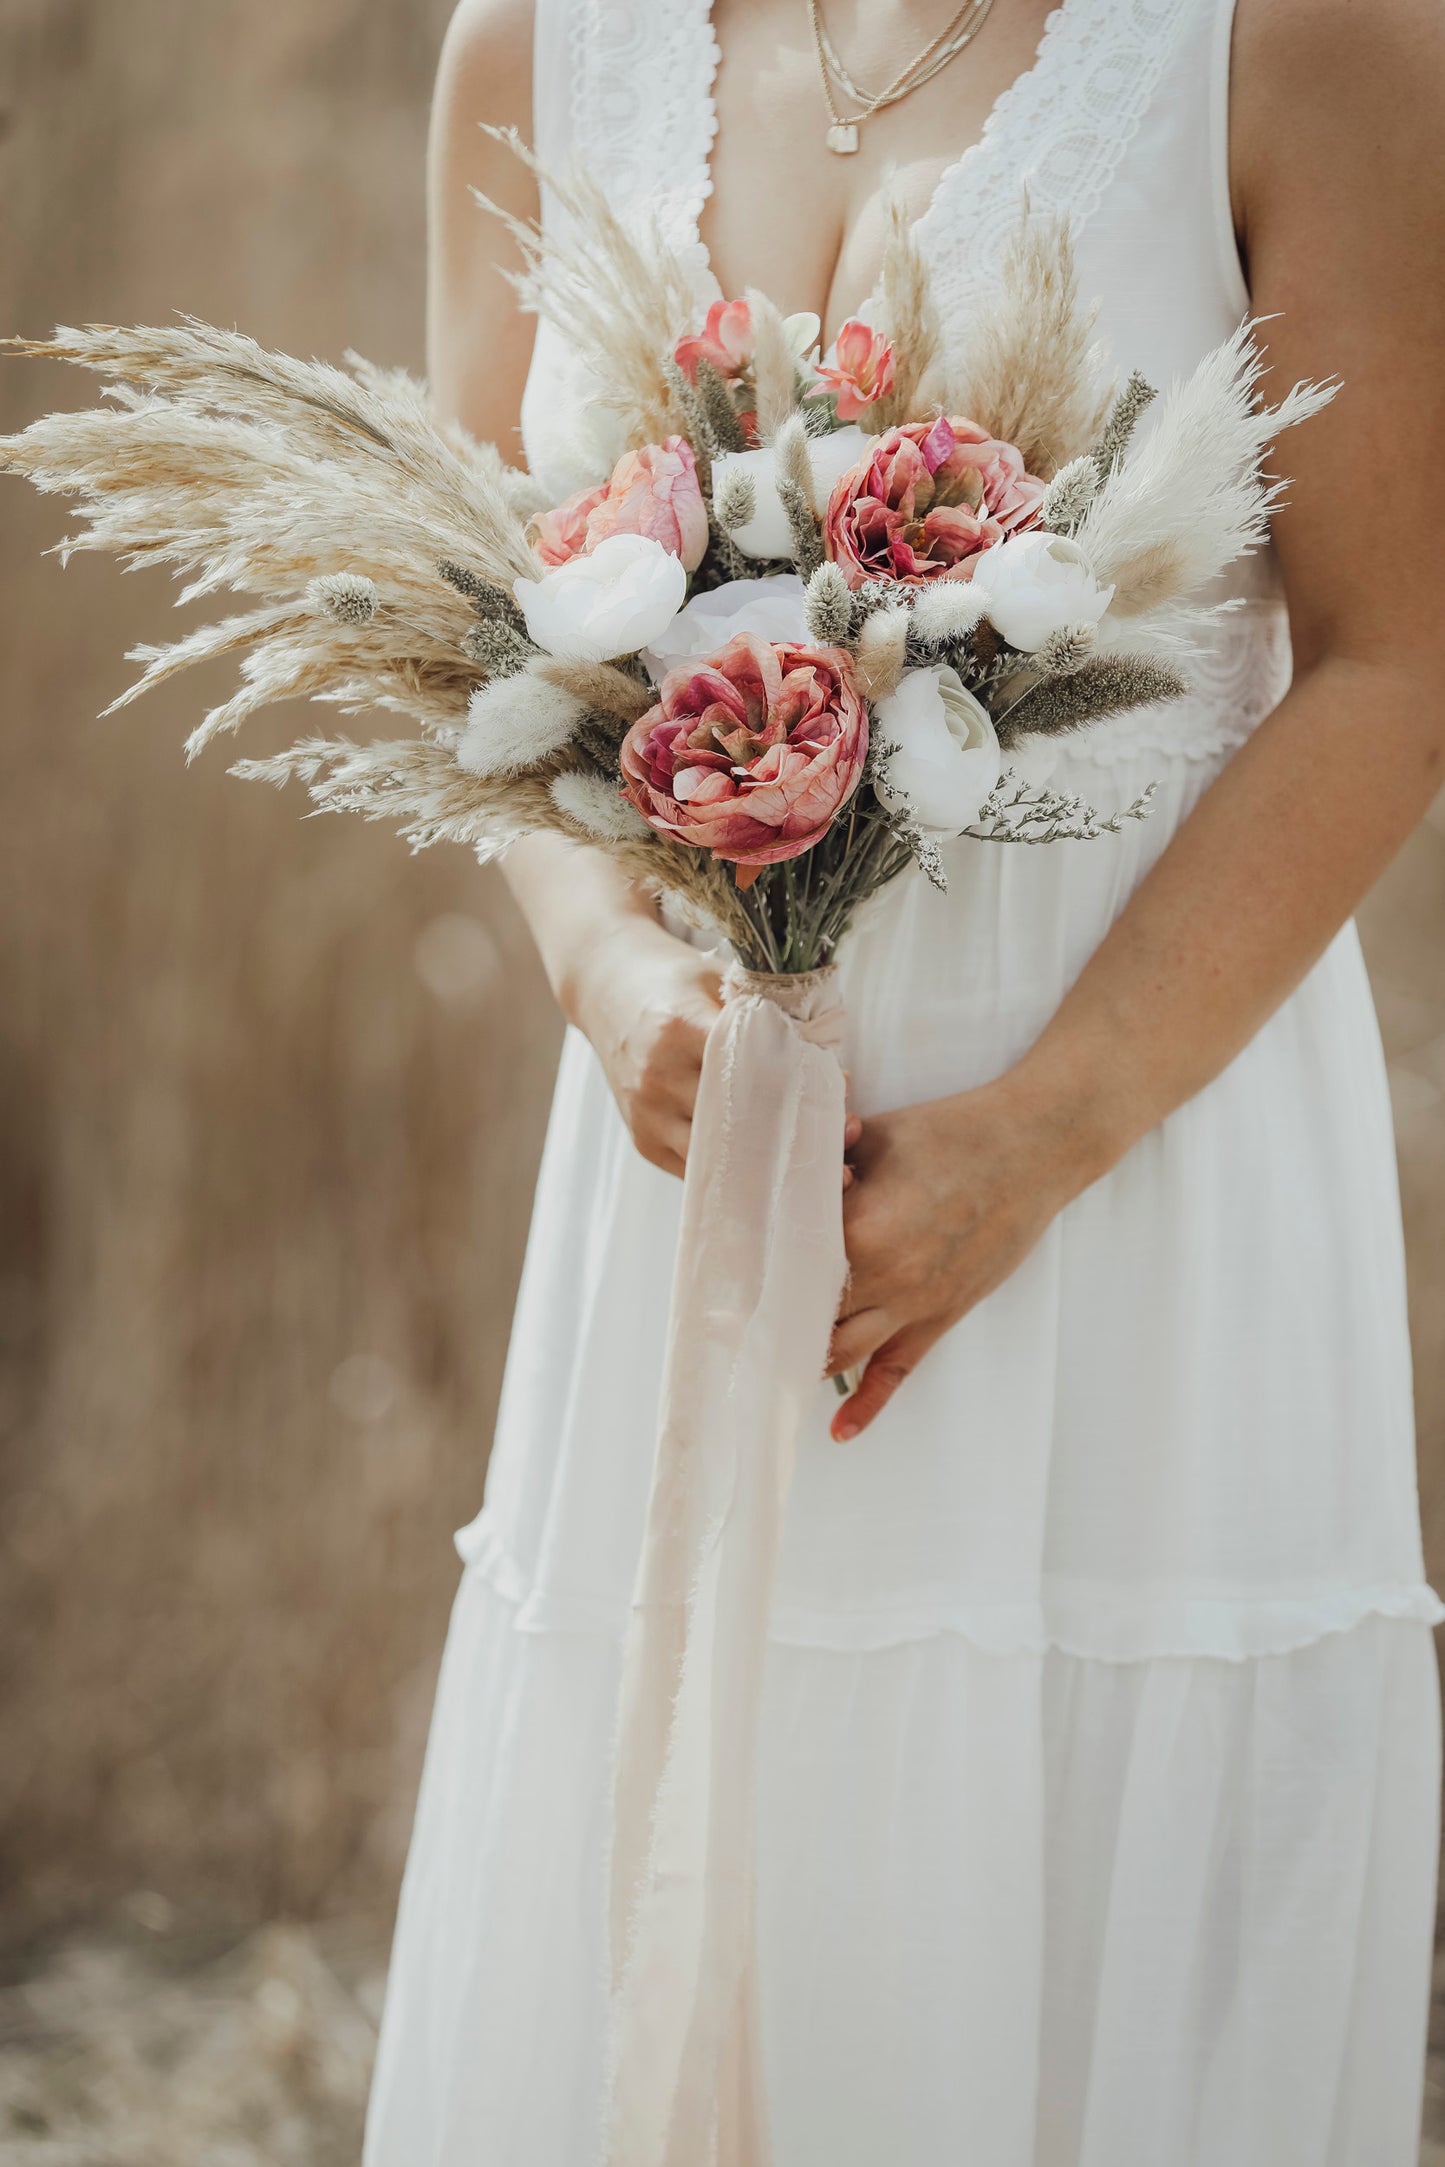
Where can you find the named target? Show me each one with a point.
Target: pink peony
(726, 341)
(653, 491)
(750, 754)
(931, 497)
(863, 370)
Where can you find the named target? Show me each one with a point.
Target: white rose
(767, 533)
(1034, 584)
(614, 600)
(771, 607)
(948, 758)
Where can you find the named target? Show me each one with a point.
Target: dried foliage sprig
(1015, 813)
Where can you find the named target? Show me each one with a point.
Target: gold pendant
(843, 137)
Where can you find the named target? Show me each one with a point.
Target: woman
(1100, 1757)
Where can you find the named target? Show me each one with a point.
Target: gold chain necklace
(842, 135)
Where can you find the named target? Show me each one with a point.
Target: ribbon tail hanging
(759, 1275)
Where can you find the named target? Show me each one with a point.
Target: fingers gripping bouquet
(815, 618)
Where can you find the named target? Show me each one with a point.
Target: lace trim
(1061, 130)
(643, 118)
(1239, 674)
(1180, 1624)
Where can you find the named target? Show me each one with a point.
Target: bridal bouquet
(813, 619)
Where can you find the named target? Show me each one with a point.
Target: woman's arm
(1340, 190)
(644, 999)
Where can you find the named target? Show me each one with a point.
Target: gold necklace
(842, 135)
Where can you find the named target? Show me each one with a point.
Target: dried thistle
(829, 606)
(1069, 495)
(1031, 372)
(1065, 651)
(348, 598)
(495, 648)
(735, 500)
(1137, 394)
(720, 416)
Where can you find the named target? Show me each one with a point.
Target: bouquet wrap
(759, 1275)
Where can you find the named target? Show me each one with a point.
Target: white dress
(1100, 1757)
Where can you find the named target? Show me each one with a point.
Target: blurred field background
(270, 1104)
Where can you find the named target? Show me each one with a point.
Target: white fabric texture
(1099, 1769)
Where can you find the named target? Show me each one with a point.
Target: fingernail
(845, 1432)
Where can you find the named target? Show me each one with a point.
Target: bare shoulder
(1335, 84)
(485, 70)
(478, 342)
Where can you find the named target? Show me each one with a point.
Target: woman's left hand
(950, 1196)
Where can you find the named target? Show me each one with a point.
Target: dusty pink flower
(863, 370)
(931, 497)
(726, 341)
(750, 754)
(653, 491)
(561, 534)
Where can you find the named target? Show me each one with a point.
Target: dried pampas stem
(617, 289)
(1031, 372)
(775, 366)
(908, 315)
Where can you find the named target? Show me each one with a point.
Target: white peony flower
(772, 607)
(948, 757)
(767, 533)
(1034, 584)
(621, 595)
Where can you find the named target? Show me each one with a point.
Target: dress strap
(642, 113)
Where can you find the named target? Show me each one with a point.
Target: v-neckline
(949, 181)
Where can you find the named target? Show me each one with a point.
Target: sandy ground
(147, 2046)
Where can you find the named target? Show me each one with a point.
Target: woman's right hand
(647, 1001)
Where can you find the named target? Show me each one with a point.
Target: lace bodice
(1121, 123)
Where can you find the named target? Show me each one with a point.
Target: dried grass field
(271, 1098)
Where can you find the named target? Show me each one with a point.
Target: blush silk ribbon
(759, 1275)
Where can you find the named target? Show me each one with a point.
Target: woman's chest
(789, 214)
